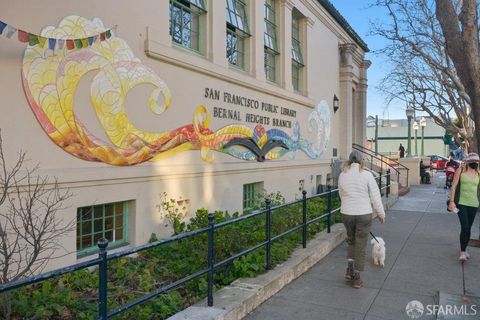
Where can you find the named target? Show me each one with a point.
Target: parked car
(437, 162)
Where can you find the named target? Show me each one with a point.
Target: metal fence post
(211, 257)
(388, 181)
(304, 214)
(380, 181)
(268, 253)
(102, 279)
(329, 207)
(371, 162)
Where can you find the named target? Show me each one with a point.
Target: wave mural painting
(50, 79)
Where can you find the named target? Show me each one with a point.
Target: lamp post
(423, 124)
(375, 121)
(415, 128)
(409, 112)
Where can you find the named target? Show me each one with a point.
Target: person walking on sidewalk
(468, 178)
(358, 191)
(401, 150)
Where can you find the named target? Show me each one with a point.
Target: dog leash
(374, 237)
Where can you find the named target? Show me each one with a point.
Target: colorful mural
(50, 79)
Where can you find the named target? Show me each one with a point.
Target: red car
(437, 162)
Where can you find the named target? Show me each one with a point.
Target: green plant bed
(75, 295)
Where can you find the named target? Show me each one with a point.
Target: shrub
(74, 295)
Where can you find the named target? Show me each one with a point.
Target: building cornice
(289, 4)
(343, 23)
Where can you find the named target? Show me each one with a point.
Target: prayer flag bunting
(22, 36)
(10, 31)
(78, 43)
(70, 44)
(2, 26)
(51, 43)
(32, 39)
(41, 41)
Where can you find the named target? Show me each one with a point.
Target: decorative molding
(327, 5)
(362, 87)
(310, 22)
(366, 64)
(349, 54)
(156, 50)
(330, 21)
(198, 173)
(289, 4)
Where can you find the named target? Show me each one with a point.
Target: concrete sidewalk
(422, 251)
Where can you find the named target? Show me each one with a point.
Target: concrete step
(403, 191)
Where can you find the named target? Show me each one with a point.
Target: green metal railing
(212, 265)
(392, 165)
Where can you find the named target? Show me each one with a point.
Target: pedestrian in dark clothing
(401, 149)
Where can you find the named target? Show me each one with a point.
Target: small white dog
(378, 252)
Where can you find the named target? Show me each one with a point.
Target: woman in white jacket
(358, 192)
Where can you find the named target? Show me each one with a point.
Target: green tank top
(468, 191)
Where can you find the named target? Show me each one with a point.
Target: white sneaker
(467, 255)
(463, 256)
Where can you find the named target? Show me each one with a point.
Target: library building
(138, 108)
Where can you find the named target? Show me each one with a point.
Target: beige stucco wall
(217, 185)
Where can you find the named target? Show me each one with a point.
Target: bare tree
(422, 73)
(30, 227)
(459, 24)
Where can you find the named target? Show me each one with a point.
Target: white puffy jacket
(359, 191)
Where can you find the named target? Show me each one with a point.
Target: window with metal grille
(237, 32)
(186, 22)
(297, 57)
(270, 40)
(250, 190)
(107, 221)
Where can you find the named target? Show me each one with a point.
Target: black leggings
(466, 215)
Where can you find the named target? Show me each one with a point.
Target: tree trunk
(462, 43)
(475, 147)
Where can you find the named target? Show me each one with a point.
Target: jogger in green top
(468, 203)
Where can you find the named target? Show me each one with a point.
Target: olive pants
(358, 228)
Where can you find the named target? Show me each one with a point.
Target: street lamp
(423, 124)
(375, 121)
(415, 128)
(409, 112)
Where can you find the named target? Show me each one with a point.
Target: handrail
(382, 158)
(373, 153)
(103, 257)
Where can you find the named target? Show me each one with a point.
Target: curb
(244, 295)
